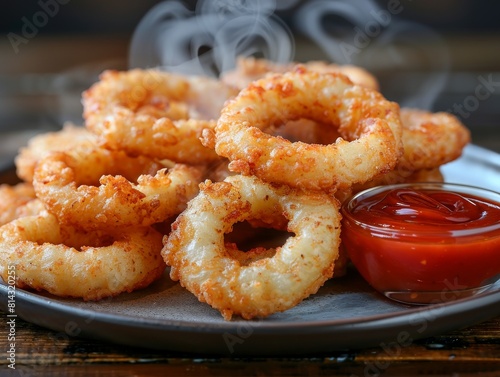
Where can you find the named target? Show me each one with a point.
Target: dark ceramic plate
(346, 313)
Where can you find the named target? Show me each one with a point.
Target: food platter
(346, 313)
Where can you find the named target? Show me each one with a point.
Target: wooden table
(474, 351)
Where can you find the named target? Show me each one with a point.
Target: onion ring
(18, 201)
(153, 113)
(393, 177)
(223, 276)
(357, 75)
(97, 265)
(249, 69)
(369, 123)
(40, 145)
(431, 139)
(402, 176)
(92, 188)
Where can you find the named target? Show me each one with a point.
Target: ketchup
(426, 210)
(423, 239)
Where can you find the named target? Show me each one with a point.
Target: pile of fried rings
(166, 168)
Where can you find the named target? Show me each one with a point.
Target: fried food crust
(70, 263)
(368, 123)
(95, 188)
(259, 282)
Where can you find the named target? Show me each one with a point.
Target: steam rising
(379, 40)
(426, 51)
(309, 19)
(208, 40)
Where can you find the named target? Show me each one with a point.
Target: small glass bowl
(422, 263)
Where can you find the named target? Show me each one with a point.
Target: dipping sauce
(424, 242)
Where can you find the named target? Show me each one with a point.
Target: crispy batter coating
(393, 177)
(69, 263)
(250, 69)
(154, 113)
(94, 188)
(285, 152)
(18, 201)
(369, 125)
(431, 139)
(264, 281)
(38, 146)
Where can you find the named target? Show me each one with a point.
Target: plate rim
(484, 298)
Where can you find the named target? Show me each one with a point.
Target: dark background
(120, 17)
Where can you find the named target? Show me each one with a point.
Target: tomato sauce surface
(424, 240)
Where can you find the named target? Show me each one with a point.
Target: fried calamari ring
(18, 201)
(393, 177)
(369, 124)
(431, 139)
(250, 69)
(426, 175)
(402, 176)
(304, 130)
(264, 281)
(357, 75)
(38, 146)
(67, 263)
(154, 113)
(93, 188)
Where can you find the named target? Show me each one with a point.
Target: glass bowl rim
(380, 231)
